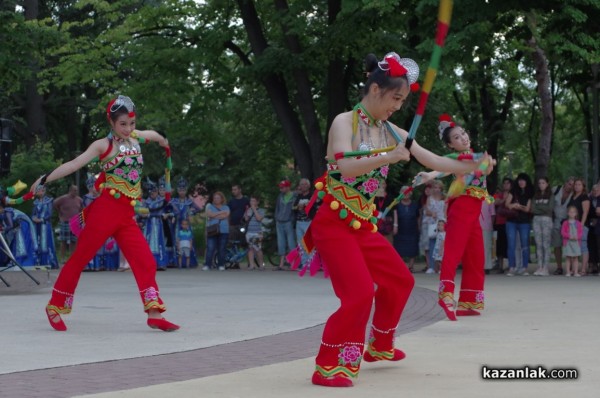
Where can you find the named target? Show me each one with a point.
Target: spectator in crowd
(488, 213)
(572, 232)
(254, 233)
(423, 228)
(238, 204)
(500, 223)
(593, 234)
(185, 243)
(154, 230)
(183, 209)
(167, 224)
(302, 220)
(67, 206)
(519, 199)
(438, 248)
(42, 218)
(217, 212)
(284, 221)
(435, 208)
(406, 229)
(95, 263)
(385, 226)
(562, 197)
(581, 201)
(541, 208)
(20, 235)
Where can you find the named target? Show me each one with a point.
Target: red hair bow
(395, 67)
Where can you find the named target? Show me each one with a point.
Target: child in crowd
(572, 232)
(184, 243)
(438, 248)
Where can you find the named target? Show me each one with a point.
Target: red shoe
(384, 356)
(162, 324)
(448, 309)
(55, 320)
(333, 381)
(467, 312)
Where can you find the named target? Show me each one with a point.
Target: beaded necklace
(366, 142)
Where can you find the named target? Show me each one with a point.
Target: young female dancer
(111, 214)
(464, 239)
(356, 258)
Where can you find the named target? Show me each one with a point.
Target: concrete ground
(255, 334)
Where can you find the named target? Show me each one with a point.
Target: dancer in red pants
(363, 266)
(464, 239)
(111, 214)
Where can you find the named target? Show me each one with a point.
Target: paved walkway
(255, 334)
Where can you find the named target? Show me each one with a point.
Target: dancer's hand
(398, 154)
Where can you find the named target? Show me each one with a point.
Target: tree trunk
(542, 77)
(277, 92)
(35, 115)
(304, 98)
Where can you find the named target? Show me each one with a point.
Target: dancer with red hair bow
(362, 145)
(111, 214)
(464, 239)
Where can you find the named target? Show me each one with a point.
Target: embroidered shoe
(448, 308)
(55, 320)
(467, 312)
(371, 355)
(162, 324)
(332, 381)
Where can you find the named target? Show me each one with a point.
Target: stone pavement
(255, 334)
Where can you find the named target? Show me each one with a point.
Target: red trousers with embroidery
(357, 260)
(464, 244)
(104, 218)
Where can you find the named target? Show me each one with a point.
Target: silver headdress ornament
(445, 122)
(396, 66)
(123, 101)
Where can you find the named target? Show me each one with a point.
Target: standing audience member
(254, 233)
(284, 221)
(185, 243)
(581, 201)
(572, 232)
(488, 212)
(423, 229)
(302, 219)
(519, 199)
(406, 229)
(385, 226)
(541, 207)
(435, 208)
(238, 204)
(42, 219)
(562, 197)
(183, 209)
(438, 248)
(154, 229)
(593, 230)
(217, 212)
(500, 223)
(67, 206)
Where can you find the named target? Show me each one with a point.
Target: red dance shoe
(55, 320)
(162, 324)
(467, 312)
(384, 356)
(448, 309)
(333, 381)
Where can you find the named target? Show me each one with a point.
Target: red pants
(357, 260)
(464, 243)
(107, 217)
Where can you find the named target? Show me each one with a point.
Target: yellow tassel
(334, 205)
(112, 192)
(319, 185)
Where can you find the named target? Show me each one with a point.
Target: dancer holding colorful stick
(362, 145)
(464, 239)
(112, 213)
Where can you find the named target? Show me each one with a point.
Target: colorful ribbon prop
(397, 199)
(15, 189)
(444, 16)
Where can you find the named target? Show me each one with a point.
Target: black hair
(527, 192)
(380, 77)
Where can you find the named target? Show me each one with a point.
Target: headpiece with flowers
(445, 122)
(395, 66)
